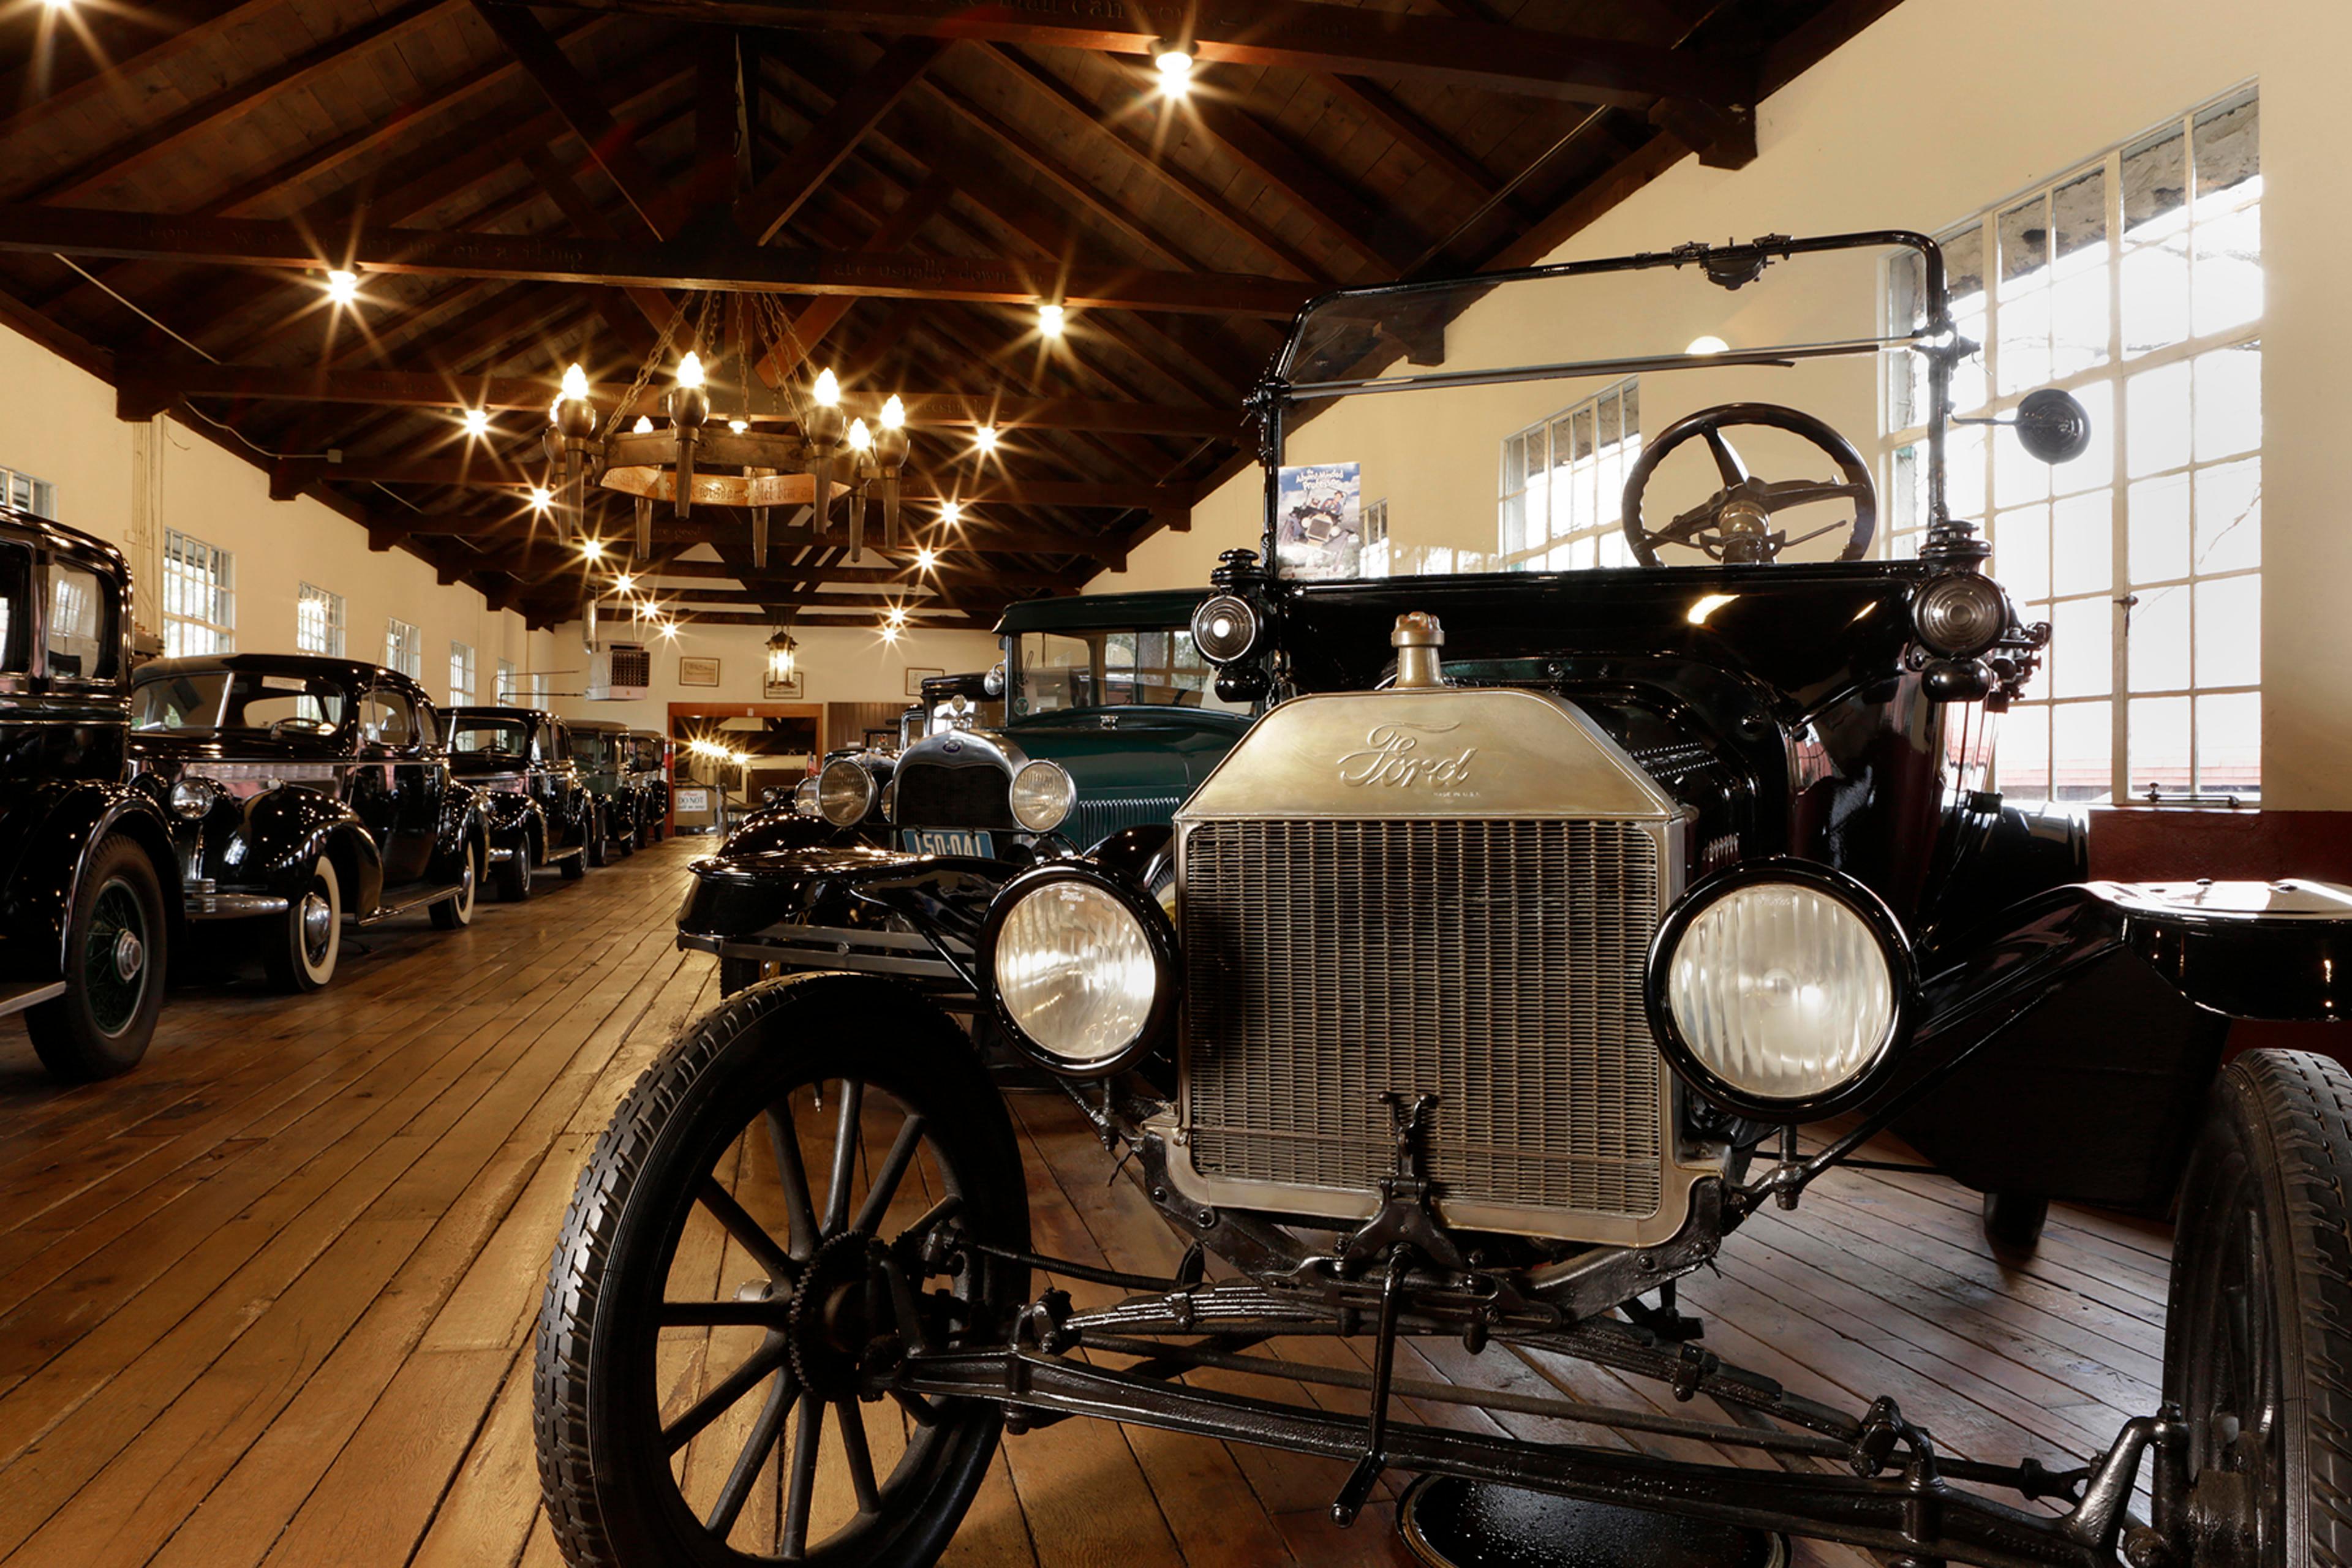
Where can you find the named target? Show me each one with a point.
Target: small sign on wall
(693, 801)
(788, 689)
(696, 670)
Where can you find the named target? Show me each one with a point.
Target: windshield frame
(1101, 673)
(231, 680)
(1724, 266)
(453, 723)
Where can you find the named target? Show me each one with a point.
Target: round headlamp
(193, 797)
(1226, 627)
(1043, 795)
(1776, 989)
(845, 793)
(805, 798)
(890, 801)
(1082, 968)
(1959, 614)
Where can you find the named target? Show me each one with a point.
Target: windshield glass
(472, 736)
(220, 699)
(1575, 372)
(1058, 672)
(593, 749)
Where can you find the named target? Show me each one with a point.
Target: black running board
(15, 999)
(410, 902)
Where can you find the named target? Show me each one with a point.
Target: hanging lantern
(782, 652)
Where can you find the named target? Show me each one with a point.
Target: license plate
(948, 841)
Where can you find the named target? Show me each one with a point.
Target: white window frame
(504, 692)
(461, 674)
(1587, 485)
(26, 493)
(199, 597)
(1977, 465)
(404, 647)
(318, 620)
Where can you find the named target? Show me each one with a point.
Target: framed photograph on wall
(916, 676)
(695, 671)
(791, 689)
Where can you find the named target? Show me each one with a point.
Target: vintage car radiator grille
(979, 795)
(1496, 964)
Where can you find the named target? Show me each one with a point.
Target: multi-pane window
(539, 691)
(506, 687)
(319, 621)
(404, 647)
(27, 493)
(199, 597)
(461, 673)
(1374, 562)
(1563, 483)
(2134, 282)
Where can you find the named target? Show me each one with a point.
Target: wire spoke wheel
(767, 1266)
(114, 958)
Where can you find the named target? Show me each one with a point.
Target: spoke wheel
(735, 1282)
(2258, 1352)
(113, 969)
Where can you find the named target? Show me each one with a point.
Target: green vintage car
(1111, 717)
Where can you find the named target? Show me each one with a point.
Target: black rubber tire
(71, 1037)
(2264, 1242)
(2014, 1222)
(455, 914)
(596, 853)
(292, 964)
(573, 867)
(512, 876)
(613, 1504)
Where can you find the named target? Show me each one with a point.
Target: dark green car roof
(1102, 612)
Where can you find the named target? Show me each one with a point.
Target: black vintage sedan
(306, 790)
(542, 813)
(84, 859)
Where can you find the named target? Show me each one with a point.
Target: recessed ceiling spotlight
(926, 558)
(1175, 63)
(1051, 318)
(624, 582)
(951, 512)
(590, 549)
(343, 286)
(541, 497)
(985, 437)
(478, 422)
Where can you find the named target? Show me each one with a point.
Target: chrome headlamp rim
(201, 795)
(1247, 628)
(1783, 870)
(805, 796)
(864, 795)
(1160, 936)
(1995, 613)
(1041, 767)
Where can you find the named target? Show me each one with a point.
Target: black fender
(38, 907)
(781, 828)
(851, 886)
(286, 830)
(2069, 1054)
(1140, 854)
(509, 816)
(465, 820)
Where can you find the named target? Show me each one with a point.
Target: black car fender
(781, 828)
(842, 885)
(465, 820)
(38, 907)
(1142, 855)
(507, 815)
(287, 830)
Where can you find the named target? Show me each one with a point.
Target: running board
(557, 857)
(414, 901)
(15, 999)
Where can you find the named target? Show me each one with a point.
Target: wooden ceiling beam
(1287, 34)
(51, 87)
(1379, 236)
(970, 538)
(250, 242)
(857, 109)
(612, 145)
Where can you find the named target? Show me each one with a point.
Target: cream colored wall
(1934, 113)
(128, 483)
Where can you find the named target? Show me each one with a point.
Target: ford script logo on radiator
(1392, 756)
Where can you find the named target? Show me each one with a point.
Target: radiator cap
(1417, 638)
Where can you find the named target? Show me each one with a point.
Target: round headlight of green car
(1778, 989)
(845, 793)
(1082, 968)
(1043, 795)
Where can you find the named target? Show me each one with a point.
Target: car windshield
(1579, 369)
(593, 750)
(1059, 672)
(473, 736)
(245, 700)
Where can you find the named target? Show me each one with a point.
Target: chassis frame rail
(1914, 1515)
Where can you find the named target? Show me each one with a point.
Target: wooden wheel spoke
(732, 1388)
(861, 1461)
(802, 1489)
(791, 1171)
(886, 1180)
(739, 1224)
(765, 1430)
(844, 1156)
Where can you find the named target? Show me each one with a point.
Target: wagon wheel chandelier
(736, 462)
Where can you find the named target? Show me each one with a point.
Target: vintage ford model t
(540, 808)
(305, 790)
(1111, 718)
(1514, 945)
(85, 927)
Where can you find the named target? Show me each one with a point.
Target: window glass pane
(2096, 468)
(2081, 750)
(2159, 744)
(2229, 742)
(1964, 471)
(2022, 755)
(2230, 632)
(2156, 186)
(81, 624)
(2017, 475)
(2156, 634)
(2082, 544)
(2228, 149)
(2227, 288)
(2081, 662)
(2158, 517)
(2155, 401)
(2020, 541)
(2229, 516)
(2229, 390)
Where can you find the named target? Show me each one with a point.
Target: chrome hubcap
(317, 923)
(130, 954)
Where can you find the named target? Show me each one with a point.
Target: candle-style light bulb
(575, 381)
(894, 413)
(861, 439)
(643, 426)
(689, 370)
(828, 388)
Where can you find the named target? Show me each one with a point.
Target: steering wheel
(1735, 525)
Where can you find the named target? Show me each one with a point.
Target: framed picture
(916, 676)
(693, 670)
(789, 690)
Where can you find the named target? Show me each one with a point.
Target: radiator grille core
(1496, 964)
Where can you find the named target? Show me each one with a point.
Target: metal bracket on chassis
(1914, 1516)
